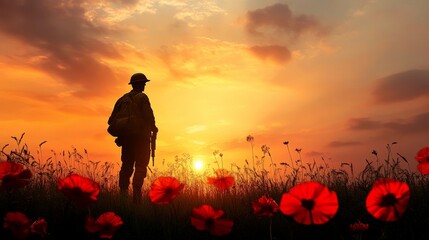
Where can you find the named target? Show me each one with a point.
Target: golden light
(198, 165)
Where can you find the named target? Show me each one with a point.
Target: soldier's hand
(155, 129)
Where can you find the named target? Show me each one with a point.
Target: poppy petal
(423, 168)
(388, 199)
(39, 227)
(109, 223)
(18, 224)
(423, 155)
(222, 181)
(165, 189)
(207, 218)
(80, 190)
(265, 206)
(90, 225)
(222, 227)
(323, 203)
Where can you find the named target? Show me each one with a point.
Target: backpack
(125, 119)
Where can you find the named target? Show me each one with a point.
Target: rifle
(153, 145)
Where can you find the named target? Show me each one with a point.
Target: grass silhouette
(42, 199)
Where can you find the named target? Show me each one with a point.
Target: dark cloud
(67, 45)
(343, 143)
(274, 53)
(315, 154)
(402, 86)
(127, 2)
(280, 17)
(416, 124)
(363, 124)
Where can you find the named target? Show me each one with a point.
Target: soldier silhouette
(136, 141)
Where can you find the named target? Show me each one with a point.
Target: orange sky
(336, 78)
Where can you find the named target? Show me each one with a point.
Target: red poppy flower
(165, 189)
(358, 227)
(265, 206)
(12, 175)
(39, 227)
(223, 179)
(106, 225)
(18, 224)
(206, 218)
(388, 199)
(423, 159)
(310, 203)
(81, 190)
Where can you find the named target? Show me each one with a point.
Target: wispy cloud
(193, 11)
(416, 124)
(402, 86)
(115, 11)
(364, 124)
(279, 17)
(64, 42)
(196, 128)
(275, 53)
(205, 57)
(314, 154)
(337, 144)
(277, 28)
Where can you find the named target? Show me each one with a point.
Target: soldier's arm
(115, 109)
(148, 112)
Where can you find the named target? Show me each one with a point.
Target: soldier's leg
(142, 160)
(127, 168)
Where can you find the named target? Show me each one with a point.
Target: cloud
(417, 124)
(204, 57)
(195, 129)
(195, 10)
(314, 154)
(275, 53)
(343, 144)
(363, 124)
(127, 2)
(280, 17)
(62, 42)
(403, 86)
(116, 11)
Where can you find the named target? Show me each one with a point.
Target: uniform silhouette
(136, 146)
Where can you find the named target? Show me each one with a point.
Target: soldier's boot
(124, 183)
(137, 196)
(123, 192)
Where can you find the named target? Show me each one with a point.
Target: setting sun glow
(198, 165)
(219, 71)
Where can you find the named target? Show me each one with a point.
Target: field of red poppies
(66, 195)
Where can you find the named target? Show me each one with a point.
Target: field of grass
(260, 176)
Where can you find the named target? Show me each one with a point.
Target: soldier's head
(138, 81)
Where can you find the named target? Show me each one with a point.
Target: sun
(198, 165)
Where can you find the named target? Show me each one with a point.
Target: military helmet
(138, 77)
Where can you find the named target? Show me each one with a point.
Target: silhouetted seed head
(374, 152)
(265, 149)
(359, 227)
(286, 143)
